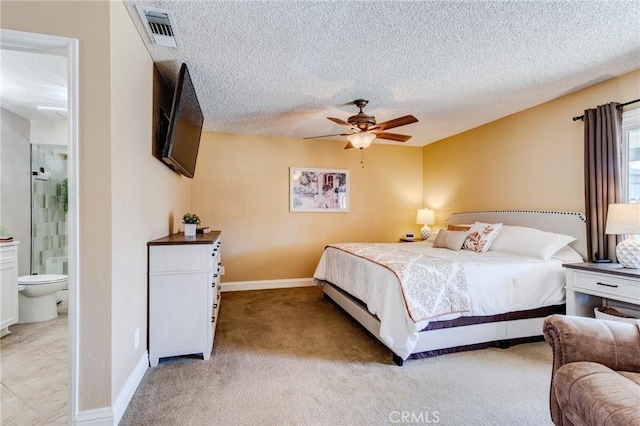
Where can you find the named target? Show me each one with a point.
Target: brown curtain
(602, 132)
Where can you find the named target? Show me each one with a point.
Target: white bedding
(497, 282)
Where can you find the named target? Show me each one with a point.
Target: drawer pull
(215, 306)
(608, 285)
(213, 319)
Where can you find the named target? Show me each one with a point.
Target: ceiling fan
(364, 128)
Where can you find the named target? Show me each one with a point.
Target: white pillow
(529, 242)
(568, 255)
(481, 235)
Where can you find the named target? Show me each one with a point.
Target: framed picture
(318, 190)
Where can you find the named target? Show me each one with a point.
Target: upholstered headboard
(568, 223)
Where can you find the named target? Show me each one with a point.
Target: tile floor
(34, 372)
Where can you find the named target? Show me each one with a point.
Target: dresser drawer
(180, 258)
(607, 285)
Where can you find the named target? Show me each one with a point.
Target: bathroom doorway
(51, 237)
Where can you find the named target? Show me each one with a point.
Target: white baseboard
(125, 395)
(266, 284)
(96, 417)
(112, 415)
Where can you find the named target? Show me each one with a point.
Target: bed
(491, 297)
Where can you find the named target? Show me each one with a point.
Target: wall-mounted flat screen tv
(185, 127)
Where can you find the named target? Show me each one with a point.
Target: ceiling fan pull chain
(362, 157)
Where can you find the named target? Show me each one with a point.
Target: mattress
(497, 283)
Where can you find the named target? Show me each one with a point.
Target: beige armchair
(596, 371)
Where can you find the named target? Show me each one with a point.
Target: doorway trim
(69, 47)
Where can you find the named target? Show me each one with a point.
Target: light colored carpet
(292, 357)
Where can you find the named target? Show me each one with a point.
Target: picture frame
(318, 190)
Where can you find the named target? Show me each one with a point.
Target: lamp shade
(623, 219)
(425, 217)
(361, 140)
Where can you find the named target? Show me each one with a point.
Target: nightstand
(589, 283)
(412, 240)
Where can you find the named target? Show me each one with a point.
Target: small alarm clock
(409, 236)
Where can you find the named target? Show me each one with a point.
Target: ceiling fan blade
(392, 136)
(396, 122)
(327, 136)
(339, 121)
(349, 146)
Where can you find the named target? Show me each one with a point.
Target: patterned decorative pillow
(481, 235)
(451, 240)
(458, 227)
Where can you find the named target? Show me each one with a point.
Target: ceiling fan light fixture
(361, 140)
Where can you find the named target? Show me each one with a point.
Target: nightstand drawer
(607, 284)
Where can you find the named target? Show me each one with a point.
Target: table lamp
(624, 219)
(425, 217)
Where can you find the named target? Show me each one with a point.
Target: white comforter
(497, 282)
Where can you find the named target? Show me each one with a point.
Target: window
(630, 153)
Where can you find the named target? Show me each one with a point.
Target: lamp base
(425, 232)
(628, 253)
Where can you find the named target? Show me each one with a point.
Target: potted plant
(191, 221)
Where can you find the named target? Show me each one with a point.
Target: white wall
(15, 171)
(49, 132)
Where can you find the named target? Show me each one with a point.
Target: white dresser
(9, 285)
(184, 295)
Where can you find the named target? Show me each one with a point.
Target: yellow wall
(241, 187)
(146, 194)
(529, 160)
(88, 22)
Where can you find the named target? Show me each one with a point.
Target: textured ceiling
(280, 68)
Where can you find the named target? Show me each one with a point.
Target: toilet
(58, 265)
(37, 299)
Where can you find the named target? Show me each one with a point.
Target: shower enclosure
(49, 204)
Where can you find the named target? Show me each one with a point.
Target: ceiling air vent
(160, 25)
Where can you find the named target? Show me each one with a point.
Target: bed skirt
(469, 321)
(530, 313)
(503, 344)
